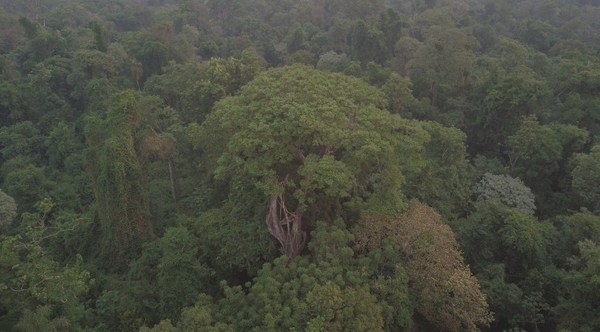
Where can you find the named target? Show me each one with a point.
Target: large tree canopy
(318, 145)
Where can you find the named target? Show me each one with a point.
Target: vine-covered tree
(115, 171)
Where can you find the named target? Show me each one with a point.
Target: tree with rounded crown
(510, 191)
(318, 145)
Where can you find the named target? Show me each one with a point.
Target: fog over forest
(300, 165)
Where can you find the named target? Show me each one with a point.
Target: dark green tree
(367, 43)
(508, 251)
(390, 22)
(586, 177)
(539, 154)
(168, 276)
(581, 290)
(8, 210)
(443, 64)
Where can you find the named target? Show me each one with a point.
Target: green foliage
(179, 267)
(576, 79)
(391, 24)
(581, 290)
(200, 317)
(343, 310)
(536, 149)
(193, 89)
(43, 45)
(496, 233)
(100, 37)
(586, 177)
(444, 178)
(539, 155)
(539, 34)
(169, 275)
(26, 182)
(175, 86)
(571, 229)
(23, 138)
(295, 40)
(504, 296)
(367, 43)
(149, 50)
(233, 73)
(503, 99)
(8, 210)
(93, 167)
(398, 91)
(233, 238)
(30, 28)
(163, 326)
(288, 133)
(442, 64)
(62, 143)
(508, 250)
(333, 61)
(34, 286)
(329, 291)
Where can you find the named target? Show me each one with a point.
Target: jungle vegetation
(300, 165)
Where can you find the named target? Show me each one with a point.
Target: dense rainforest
(300, 165)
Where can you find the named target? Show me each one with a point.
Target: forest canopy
(319, 165)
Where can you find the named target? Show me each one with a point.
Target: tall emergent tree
(116, 177)
(318, 146)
